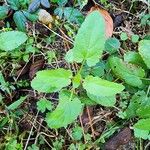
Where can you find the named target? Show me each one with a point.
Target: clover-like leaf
(67, 111)
(11, 40)
(44, 104)
(51, 80)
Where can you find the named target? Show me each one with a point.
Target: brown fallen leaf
(23, 70)
(121, 138)
(107, 17)
(35, 67)
(45, 17)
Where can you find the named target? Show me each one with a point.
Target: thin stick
(31, 131)
(90, 122)
(67, 39)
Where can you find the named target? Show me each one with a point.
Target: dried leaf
(108, 20)
(122, 138)
(45, 17)
(35, 67)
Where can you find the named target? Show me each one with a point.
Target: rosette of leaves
(20, 13)
(68, 13)
(35, 5)
(88, 47)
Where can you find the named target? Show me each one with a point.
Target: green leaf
(134, 58)
(62, 2)
(124, 36)
(44, 104)
(108, 101)
(11, 40)
(87, 101)
(135, 103)
(145, 20)
(102, 91)
(70, 14)
(31, 17)
(143, 111)
(143, 124)
(112, 45)
(4, 12)
(17, 103)
(127, 72)
(20, 20)
(100, 87)
(14, 4)
(69, 56)
(90, 39)
(134, 38)
(33, 147)
(77, 80)
(144, 134)
(144, 46)
(49, 81)
(73, 15)
(77, 133)
(67, 111)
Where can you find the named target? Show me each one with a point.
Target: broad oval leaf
(130, 73)
(90, 39)
(107, 18)
(3, 12)
(144, 50)
(20, 20)
(67, 111)
(108, 101)
(99, 87)
(35, 4)
(51, 80)
(11, 40)
(134, 58)
(112, 45)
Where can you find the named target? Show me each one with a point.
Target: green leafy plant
(69, 13)
(20, 13)
(88, 47)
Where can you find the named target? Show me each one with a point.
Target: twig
(67, 39)
(90, 122)
(31, 131)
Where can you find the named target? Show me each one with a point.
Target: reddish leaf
(108, 20)
(35, 67)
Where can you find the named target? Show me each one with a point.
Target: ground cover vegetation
(74, 75)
